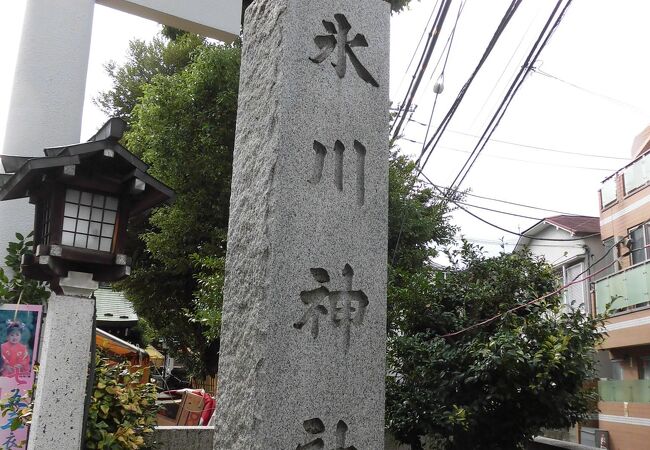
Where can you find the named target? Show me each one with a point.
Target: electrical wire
(450, 41)
(497, 34)
(528, 161)
(514, 5)
(415, 52)
(523, 205)
(515, 144)
(538, 47)
(485, 208)
(547, 149)
(424, 61)
(588, 91)
(502, 228)
(506, 66)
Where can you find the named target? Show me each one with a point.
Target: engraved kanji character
(347, 306)
(341, 431)
(314, 299)
(314, 427)
(338, 39)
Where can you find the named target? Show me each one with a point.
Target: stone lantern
(84, 195)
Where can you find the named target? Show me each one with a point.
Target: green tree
(164, 55)
(14, 286)
(495, 385)
(183, 125)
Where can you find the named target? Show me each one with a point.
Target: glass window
(574, 295)
(637, 247)
(635, 175)
(89, 220)
(608, 191)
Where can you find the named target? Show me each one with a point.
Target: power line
(504, 21)
(424, 61)
(415, 52)
(538, 47)
(515, 233)
(485, 208)
(461, 94)
(507, 158)
(547, 149)
(503, 201)
(588, 91)
(439, 87)
(506, 66)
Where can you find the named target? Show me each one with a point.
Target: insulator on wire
(440, 85)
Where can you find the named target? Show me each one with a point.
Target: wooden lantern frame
(101, 168)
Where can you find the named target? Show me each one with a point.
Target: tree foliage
(14, 286)
(399, 5)
(122, 412)
(496, 385)
(183, 125)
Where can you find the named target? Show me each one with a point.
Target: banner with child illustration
(20, 327)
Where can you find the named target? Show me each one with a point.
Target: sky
(600, 51)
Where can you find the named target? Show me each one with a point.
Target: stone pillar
(59, 400)
(48, 92)
(302, 360)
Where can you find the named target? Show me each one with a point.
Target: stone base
(60, 395)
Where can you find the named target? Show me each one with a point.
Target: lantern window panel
(67, 239)
(96, 214)
(89, 220)
(84, 212)
(86, 198)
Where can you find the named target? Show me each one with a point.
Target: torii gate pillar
(49, 84)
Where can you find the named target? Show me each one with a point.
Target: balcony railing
(637, 391)
(631, 287)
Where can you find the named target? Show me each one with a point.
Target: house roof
(573, 225)
(114, 307)
(576, 224)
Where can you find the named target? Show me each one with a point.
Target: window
(617, 369)
(574, 295)
(639, 249)
(608, 191)
(89, 220)
(636, 175)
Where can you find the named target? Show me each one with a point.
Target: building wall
(628, 332)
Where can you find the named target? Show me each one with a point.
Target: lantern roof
(101, 160)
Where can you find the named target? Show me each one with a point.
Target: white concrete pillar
(48, 93)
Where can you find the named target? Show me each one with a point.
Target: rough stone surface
(295, 224)
(61, 391)
(176, 438)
